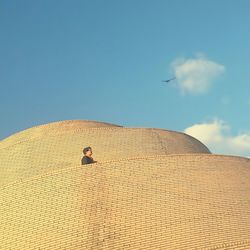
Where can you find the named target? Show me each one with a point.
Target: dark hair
(85, 150)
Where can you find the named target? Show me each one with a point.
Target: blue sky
(104, 60)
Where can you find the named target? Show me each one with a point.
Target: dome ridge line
(162, 156)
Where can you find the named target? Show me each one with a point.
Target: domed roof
(52, 128)
(58, 145)
(191, 201)
(150, 189)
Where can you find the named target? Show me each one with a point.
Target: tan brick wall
(151, 189)
(48, 150)
(165, 202)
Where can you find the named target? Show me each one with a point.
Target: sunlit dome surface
(52, 128)
(58, 145)
(150, 189)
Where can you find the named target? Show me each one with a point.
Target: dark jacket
(87, 160)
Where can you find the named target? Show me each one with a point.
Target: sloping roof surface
(42, 149)
(164, 202)
(151, 189)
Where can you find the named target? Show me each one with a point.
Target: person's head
(87, 151)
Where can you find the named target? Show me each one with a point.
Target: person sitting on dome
(87, 158)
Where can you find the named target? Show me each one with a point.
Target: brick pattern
(52, 128)
(45, 150)
(165, 202)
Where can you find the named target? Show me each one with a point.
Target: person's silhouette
(87, 158)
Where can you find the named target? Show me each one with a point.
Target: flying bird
(169, 80)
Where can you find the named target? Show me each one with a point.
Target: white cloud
(195, 76)
(216, 136)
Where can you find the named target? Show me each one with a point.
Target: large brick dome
(52, 128)
(54, 146)
(151, 189)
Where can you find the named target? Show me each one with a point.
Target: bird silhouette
(169, 80)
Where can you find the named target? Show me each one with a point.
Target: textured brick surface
(151, 189)
(165, 202)
(45, 150)
(52, 128)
